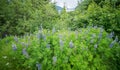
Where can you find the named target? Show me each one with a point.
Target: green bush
(18, 17)
(96, 15)
(83, 49)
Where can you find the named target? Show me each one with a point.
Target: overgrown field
(35, 36)
(84, 49)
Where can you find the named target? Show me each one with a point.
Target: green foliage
(18, 17)
(85, 49)
(99, 13)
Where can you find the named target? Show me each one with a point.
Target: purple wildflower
(116, 38)
(14, 47)
(23, 43)
(92, 41)
(111, 35)
(112, 44)
(71, 44)
(69, 29)
(76, 33)
(100, 35)
(8, 1)
(39, 67)
(84, 26)
(26, 45)
(95, 26)
(53, 30)
(93, 35)
(54, 59)
(7, 41)
(61, 44)
(25, 53)
(119, 42)
(15, 38)
(44, 37)
(48, 46)
(60, 36)
(95, 46)
(39, 35)
(41, 28)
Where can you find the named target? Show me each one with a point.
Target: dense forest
(35, 36)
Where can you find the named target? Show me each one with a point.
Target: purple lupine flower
(119, 42)
(101, 29)
(112, 44)
(95, 26)
(84, 25)
(65, 59)
(71, 44)
(53, 30)
(95, 46)
(69, 29)
(60, 36)
(76, 33)
(7, 41)
(8, 1)
(93, 35)
(41, 28)
(44, 37)
(100, 35)
(92, 41)
(39, 67)
(111, 35)
(39, 36)
(14, 47)
(54, 59)
(23, 43)
(48, 46)
(25, 53)
(81, 30)
(61, 44)
(116, 38)
(15, 38)
(26, 45)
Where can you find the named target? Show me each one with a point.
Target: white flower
(4, 57)
(7, 64)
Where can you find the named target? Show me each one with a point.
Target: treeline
(101, 13)
(18, 16)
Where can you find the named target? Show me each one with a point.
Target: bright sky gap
(69, 4)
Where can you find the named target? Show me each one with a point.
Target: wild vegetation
(34, 36)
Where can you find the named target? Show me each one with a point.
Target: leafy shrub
(106, 16)
(19, 17)
(83, 49)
